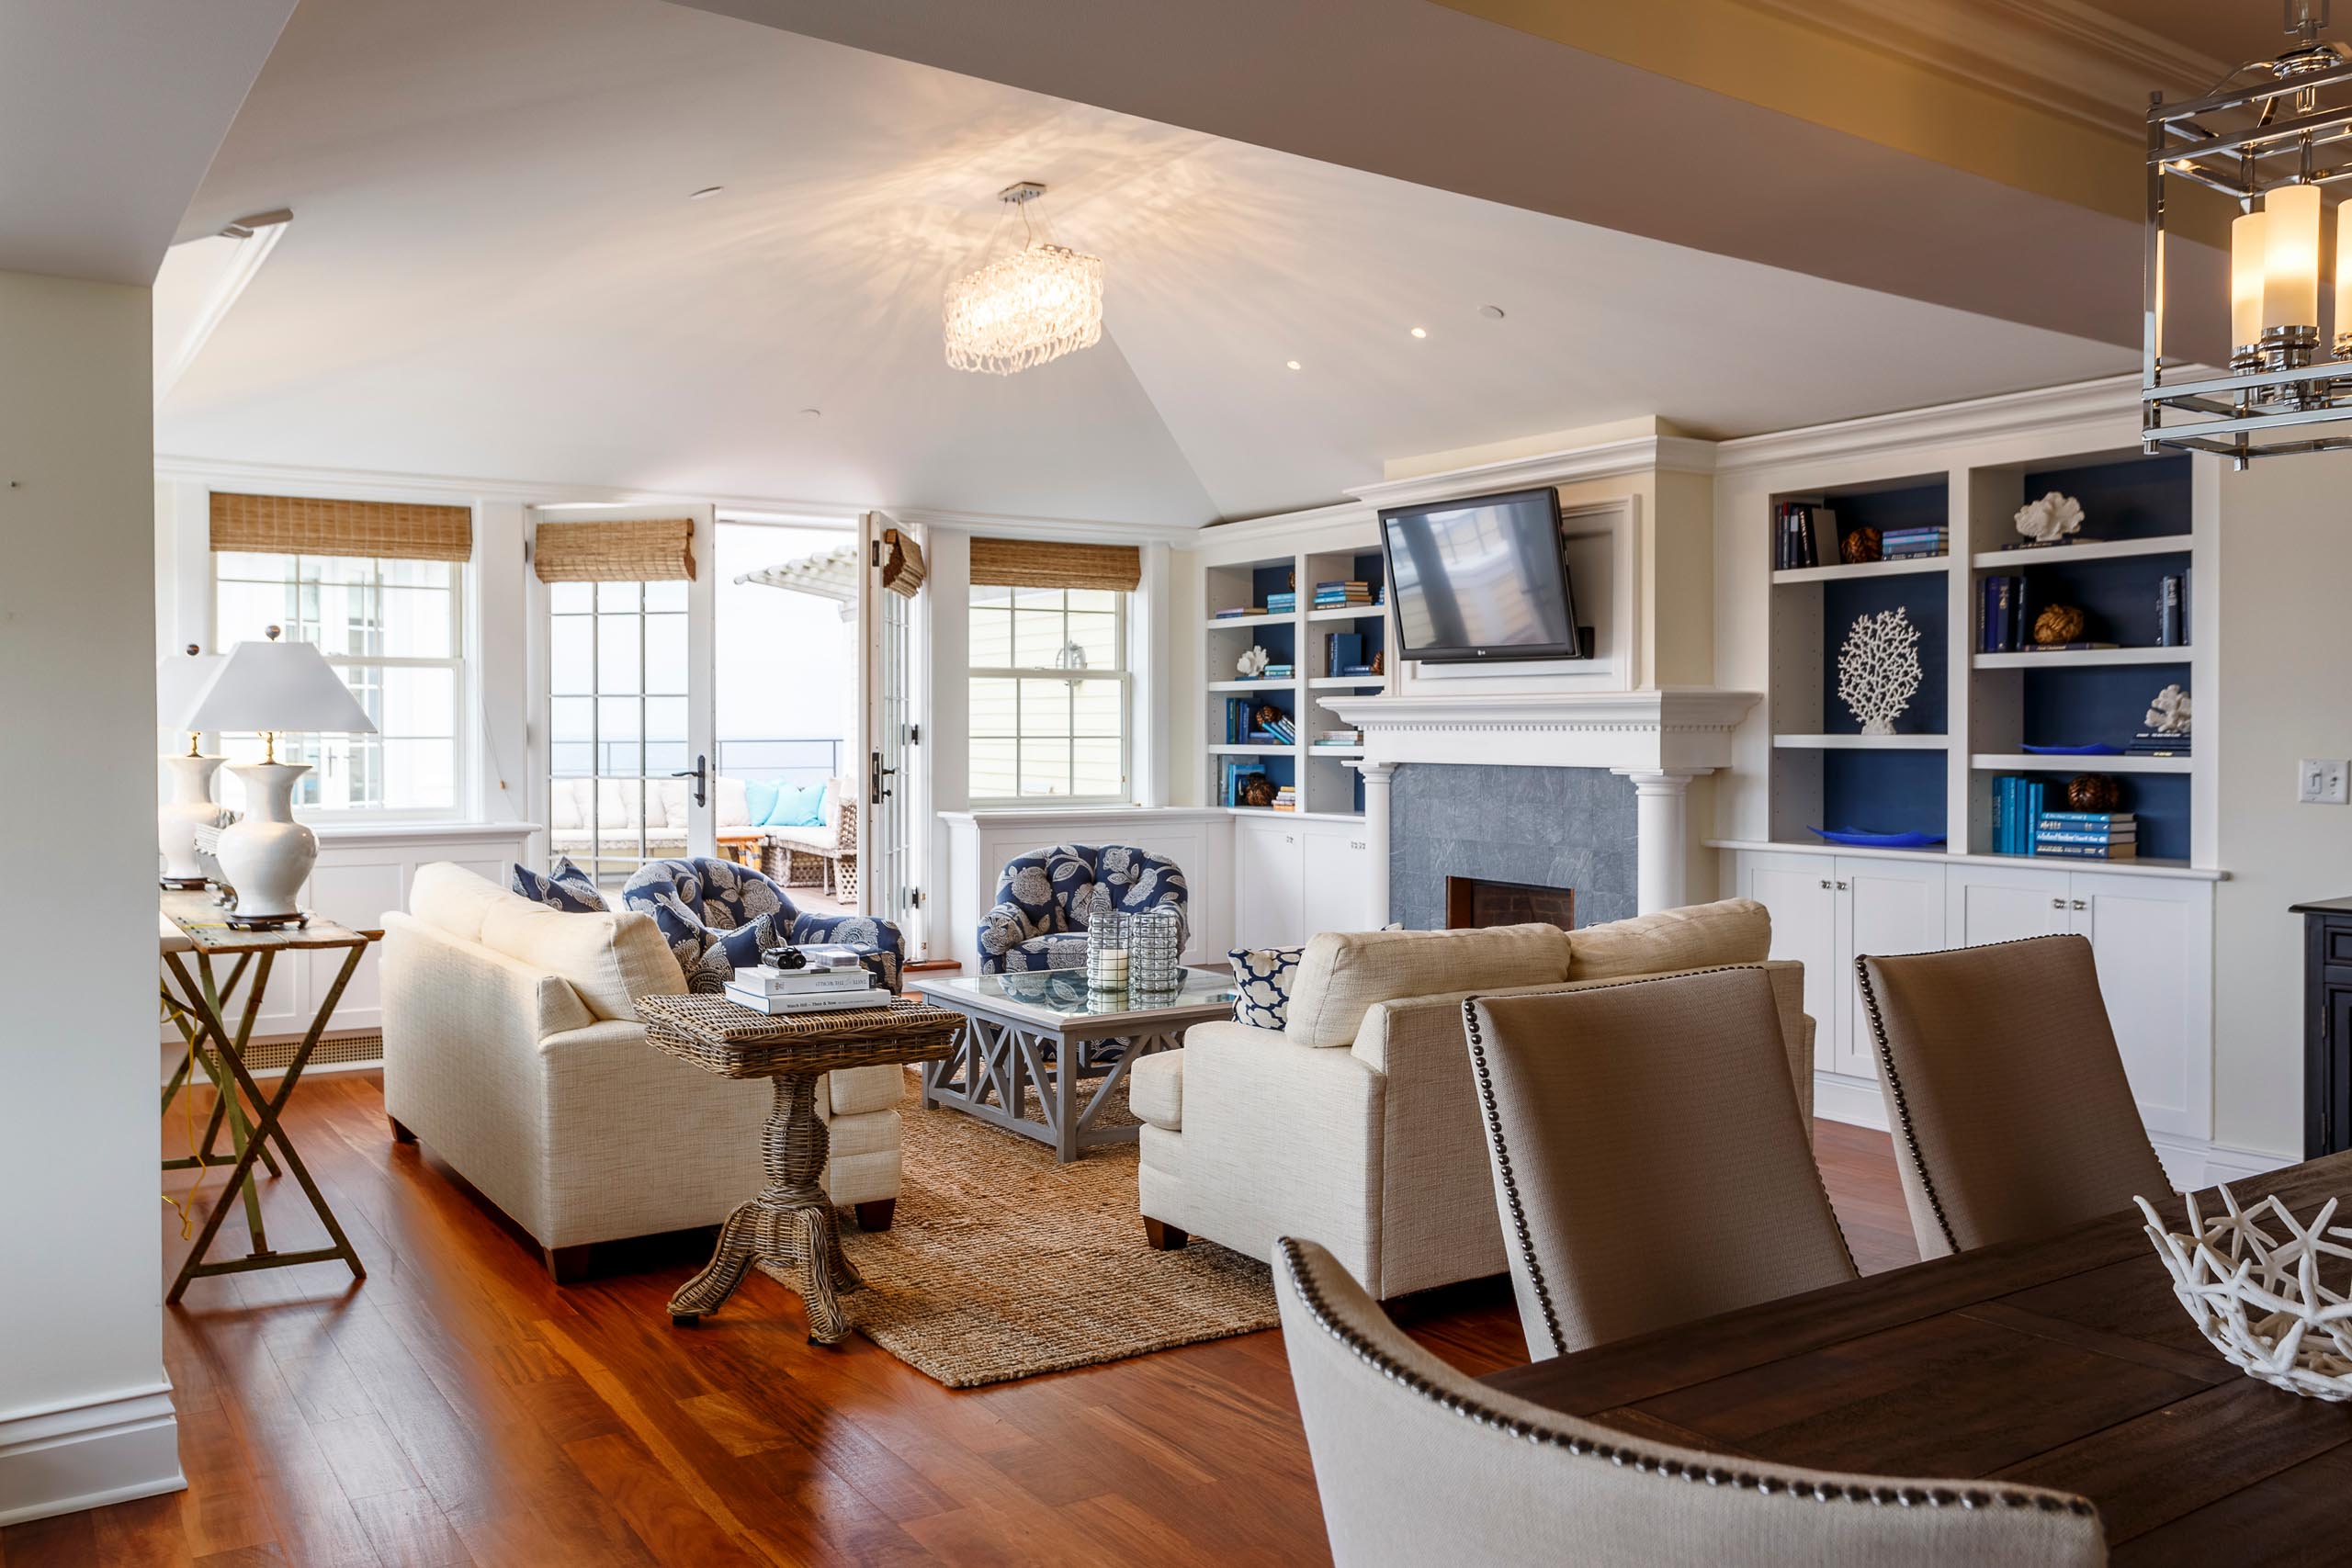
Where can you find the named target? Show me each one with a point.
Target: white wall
(2285, 544)
(85, 1412)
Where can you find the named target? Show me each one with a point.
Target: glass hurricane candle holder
(1155, 941)
(1106, 945)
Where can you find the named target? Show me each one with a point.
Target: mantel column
(1377, 777)
(1661, 835)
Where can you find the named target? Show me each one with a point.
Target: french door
(621, 723)
(890, 827)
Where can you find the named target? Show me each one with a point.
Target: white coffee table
(1046, 1029)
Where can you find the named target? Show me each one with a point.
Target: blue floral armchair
(717, 916)
(1039, 921)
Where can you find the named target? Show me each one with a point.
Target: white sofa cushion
(450, 898)
(1736, 930)
(610, 959)
(1155, 1087)
(1343, 974)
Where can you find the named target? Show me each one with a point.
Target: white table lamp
(273, 687)
(180, 681)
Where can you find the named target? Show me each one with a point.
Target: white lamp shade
(2290, 259)
(180, 681)
(2344, 269)
(2250, 253)
(279, 687)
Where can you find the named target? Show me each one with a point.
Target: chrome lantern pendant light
(1037, 305)
(2273, 135)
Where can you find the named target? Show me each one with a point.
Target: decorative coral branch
(1878, 669)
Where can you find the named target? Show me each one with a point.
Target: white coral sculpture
(2051, 519)
(1253, 664)
(1878, 670)
(2168, 715)
(2259, 1299)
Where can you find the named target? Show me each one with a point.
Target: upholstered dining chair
(2011, 1114)
(1418, 1464)
(1649, 1159)
(716, 916)
(1039, 918)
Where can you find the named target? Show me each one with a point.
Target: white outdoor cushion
(610, 959)
(451, 899)
(670, 801)
(563, 804)
(734, 803)
(1342, 974)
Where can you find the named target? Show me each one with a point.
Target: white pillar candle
(2290, 257)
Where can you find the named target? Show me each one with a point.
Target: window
(393, 631)
(1050, 694)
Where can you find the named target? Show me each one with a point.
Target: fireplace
(1476, 902)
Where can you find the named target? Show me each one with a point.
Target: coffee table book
(779, 1003)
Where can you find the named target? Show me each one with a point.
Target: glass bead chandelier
(1037, 305)
(2272, 135)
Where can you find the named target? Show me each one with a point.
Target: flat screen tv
(1481, 578)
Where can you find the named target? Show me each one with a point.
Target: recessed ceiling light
(1291, 363)
(812, 414)
(1492, 312)
(705, 193)
(1421, 331)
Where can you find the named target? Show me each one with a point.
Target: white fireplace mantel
(1660, 740)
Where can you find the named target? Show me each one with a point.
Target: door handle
(877, 790)
(700, 773)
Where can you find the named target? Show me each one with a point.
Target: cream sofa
(512, 1050)
(1357, 1125)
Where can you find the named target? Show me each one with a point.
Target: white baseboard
(2192, 1162)
(61, 1458)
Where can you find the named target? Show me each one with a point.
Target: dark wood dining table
(2065, 1361)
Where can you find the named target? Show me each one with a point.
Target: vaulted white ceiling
(494, 272)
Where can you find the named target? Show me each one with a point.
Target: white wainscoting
(1199, 839)
(361, 872)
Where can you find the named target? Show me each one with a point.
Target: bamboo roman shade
(661, 550)
(1036, 563)
(306, 525)
(902, 564)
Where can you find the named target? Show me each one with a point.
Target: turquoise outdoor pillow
(797, 806)
(761, 800)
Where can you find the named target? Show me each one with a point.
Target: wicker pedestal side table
(789, 1232)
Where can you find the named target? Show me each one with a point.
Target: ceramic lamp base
(191, 808)
(267, 856)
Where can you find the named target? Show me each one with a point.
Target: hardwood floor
(458, 1408)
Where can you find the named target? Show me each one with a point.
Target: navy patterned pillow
(711, 956)
(567, 887)
(1263, 976)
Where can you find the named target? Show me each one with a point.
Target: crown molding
(2061, 56)
(1672, 727)
(375, 484)
(1280, 524)
(1606, 459)
(2110, 399)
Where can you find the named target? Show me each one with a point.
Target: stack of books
(1341, 595)
(2001, 621)
(2016, 809)
(2150, 743)
(1275, 729)
(1283, 603)
(1340, 737)
(1344, 653)
(1798, 528)
(1915, 544)
(823, 985)
(1279, 672)
(2087, 835)
(1234, 614)
(1286, 798)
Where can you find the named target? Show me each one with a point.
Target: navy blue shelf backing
(2159, 803)
(1845, 602)
(2094, 705)
(1883, 792)
(2138, 499)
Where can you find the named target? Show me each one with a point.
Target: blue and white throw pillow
(567, 887)
(1262, 976)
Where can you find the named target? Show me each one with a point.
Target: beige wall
(2286, 558)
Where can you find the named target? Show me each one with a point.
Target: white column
(1377, 779)
(1661, 835)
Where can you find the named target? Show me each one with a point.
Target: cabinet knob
(2057, 903)
(1355, 843)
(1841, 887)
(2080, 905)
(1826, 884)
(1290, 838)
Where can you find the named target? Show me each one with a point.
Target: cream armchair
(1357, 1125)
(512, 1050)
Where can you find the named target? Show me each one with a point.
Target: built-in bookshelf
(1324, 649)
(1982, 704)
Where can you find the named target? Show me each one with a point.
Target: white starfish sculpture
(2258, 1298)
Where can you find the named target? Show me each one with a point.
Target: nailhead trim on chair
(1627, 1455)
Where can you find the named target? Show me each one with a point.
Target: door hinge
(914, 897)
(874, 553)
(915, 735)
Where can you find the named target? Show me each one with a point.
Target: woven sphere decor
(1860, 547)
(2092, 792)
(2257, 1297)
(2059, 623)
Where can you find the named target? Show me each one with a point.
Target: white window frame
(461, 786)
(1123, 636)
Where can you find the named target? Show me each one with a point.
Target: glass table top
(1063, 992)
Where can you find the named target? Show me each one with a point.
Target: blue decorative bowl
(1854, 838)
(2074, 750)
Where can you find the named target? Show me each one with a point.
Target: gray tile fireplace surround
(1554, 826)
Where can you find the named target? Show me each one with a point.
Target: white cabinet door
(1269, 869)
(2153, 939)
(1336, 870)
(1884, 907)
(1999, 903)
(1801, 893)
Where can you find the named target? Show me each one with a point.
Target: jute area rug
(1002, 1265)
